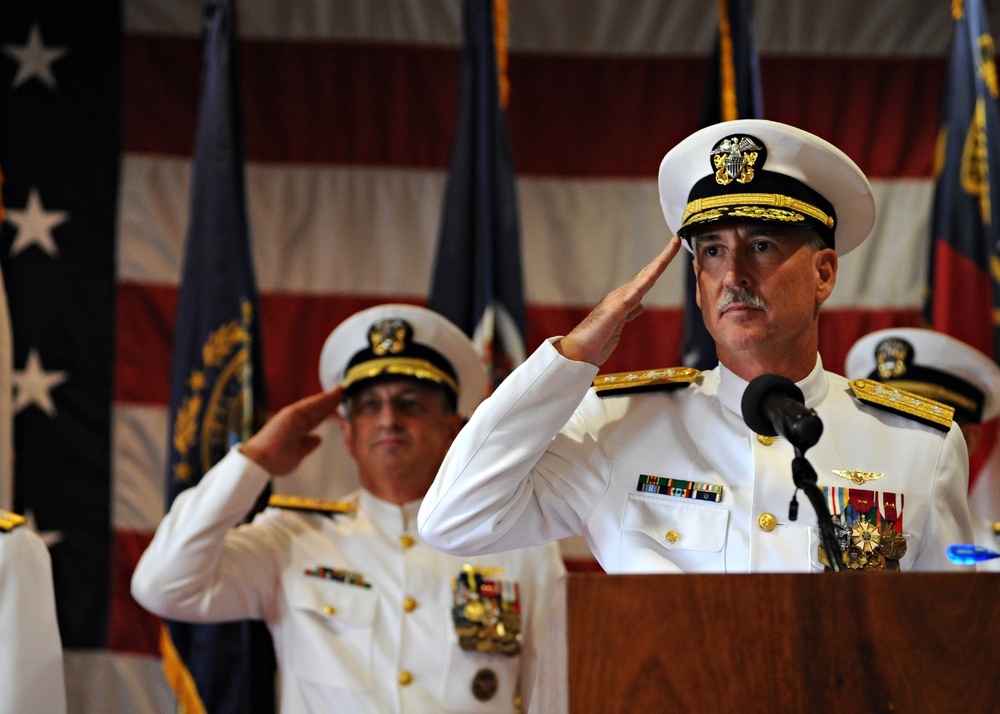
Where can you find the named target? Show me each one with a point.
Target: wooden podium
(776, 643)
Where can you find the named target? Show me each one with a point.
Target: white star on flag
(34, 225)
(33, 385)
(35, 59)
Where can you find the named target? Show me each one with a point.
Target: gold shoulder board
(911, 405)
(312, 505)
(607, 385)
(9, 521)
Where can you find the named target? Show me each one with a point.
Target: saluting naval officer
(31, 658)
(365, 616)
(938, 366)
(657, 469)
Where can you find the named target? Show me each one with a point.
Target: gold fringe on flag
(500, 34)
(726, 66)
(179, 677)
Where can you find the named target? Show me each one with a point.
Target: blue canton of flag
(216, 386)
(734, 93)
(477, 281)
(59, 149)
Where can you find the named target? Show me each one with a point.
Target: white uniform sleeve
(543, 659)
(198, 567)
(31, 659)
(949, 520)
(483, 499)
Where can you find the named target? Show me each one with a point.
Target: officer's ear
(825, 262)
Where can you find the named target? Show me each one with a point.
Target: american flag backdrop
(350, 109)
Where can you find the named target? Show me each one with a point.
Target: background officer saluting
(657, 469)
(31, 655)
(939, 367)
(365, 617)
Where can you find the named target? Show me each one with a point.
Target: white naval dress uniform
(545, 458)
(390, 647)
(31, 656)
(987, 537)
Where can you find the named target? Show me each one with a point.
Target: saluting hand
(287, 437)
(594, 339)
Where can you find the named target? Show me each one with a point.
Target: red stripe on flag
(146, 325)
(626, 111)
(130, 628)
(840, 329)
(963, 298)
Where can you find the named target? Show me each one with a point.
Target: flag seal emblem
(213, 408)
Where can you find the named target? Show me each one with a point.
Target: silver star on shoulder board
(858, 477)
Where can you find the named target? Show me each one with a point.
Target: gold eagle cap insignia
(858, 477)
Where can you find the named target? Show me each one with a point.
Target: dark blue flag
(963, 298)
(477, 282)
(733, 93)
(216, 385)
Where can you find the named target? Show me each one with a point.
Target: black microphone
(772, 405)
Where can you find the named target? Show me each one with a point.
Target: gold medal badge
(487, 611)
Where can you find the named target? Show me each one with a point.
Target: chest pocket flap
(332, 626)
(676, 524)
(333, 601)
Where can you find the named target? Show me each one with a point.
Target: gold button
(405, 678)
(409, 604)
(406, 541)
(672, 536)
(767, 522)
(766, 440)
(329, 609)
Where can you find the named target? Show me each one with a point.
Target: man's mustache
(742, 295)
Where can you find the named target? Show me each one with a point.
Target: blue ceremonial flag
(734, 93)
(477, 282)
(963, 297)
(216, 385)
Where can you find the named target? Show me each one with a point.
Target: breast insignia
(911, 405)
(669, 378)
(310, 505)
(9, 520)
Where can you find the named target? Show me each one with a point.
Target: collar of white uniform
(814, 388)
(389, 517)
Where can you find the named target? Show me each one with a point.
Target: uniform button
(405, 678)
(406, 541)
(329, 609)
(409, 604)
(766, 440)
(767, 522)
(672, 536)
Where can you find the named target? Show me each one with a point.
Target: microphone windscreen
(756, 395)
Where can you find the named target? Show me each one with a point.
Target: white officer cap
(933, 365)
(754, 169)
(408, 341)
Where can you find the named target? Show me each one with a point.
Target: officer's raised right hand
(594, 339)
(287, 437)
